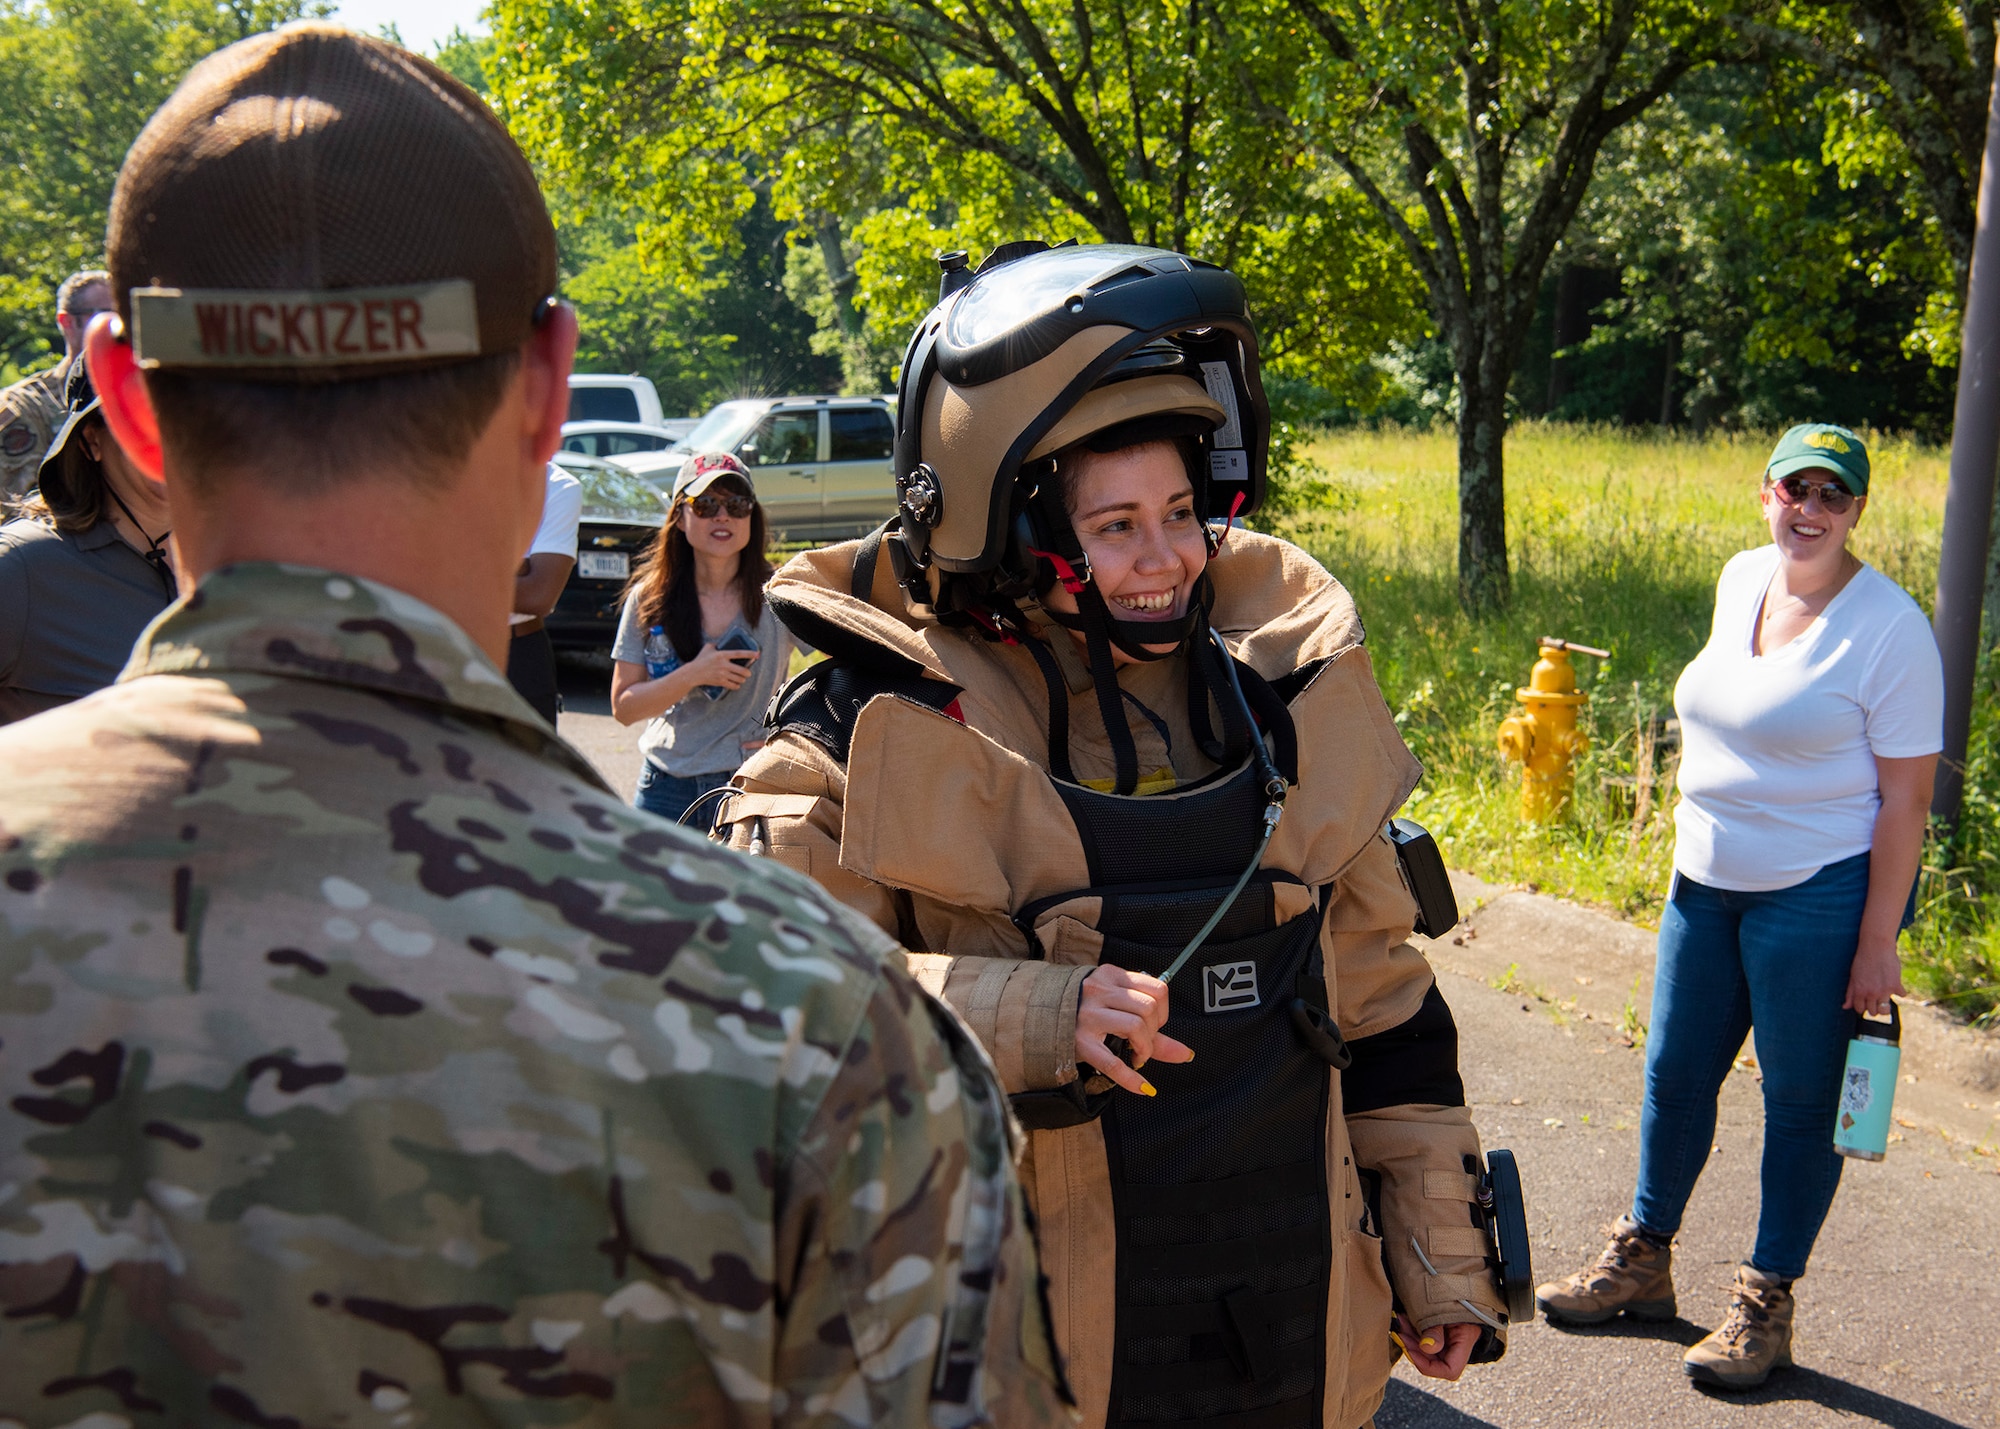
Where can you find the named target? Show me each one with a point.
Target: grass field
(1616, 540)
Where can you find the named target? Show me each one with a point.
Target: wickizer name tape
(229, 327)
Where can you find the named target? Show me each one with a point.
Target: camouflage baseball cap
(315, 205)
(1824, 447)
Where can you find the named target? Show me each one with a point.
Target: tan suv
(820, 464)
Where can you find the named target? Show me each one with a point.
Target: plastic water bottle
(1868, 1087)
(660, 656)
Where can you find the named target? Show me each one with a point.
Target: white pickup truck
(608, 397)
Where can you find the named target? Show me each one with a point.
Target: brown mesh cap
(315, 205)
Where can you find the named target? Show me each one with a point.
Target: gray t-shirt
(71, 606)
(702, 735)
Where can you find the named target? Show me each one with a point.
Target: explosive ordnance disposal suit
(977, 769)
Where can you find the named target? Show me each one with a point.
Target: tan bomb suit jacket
(938, 826)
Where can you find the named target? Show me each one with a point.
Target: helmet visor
(1006, 297)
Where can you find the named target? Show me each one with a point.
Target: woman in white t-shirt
(1811, 724)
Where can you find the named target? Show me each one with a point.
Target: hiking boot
(1633, 1275)
(1755, 1336)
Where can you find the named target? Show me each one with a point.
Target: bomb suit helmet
(1043, 349)
(1041, 352)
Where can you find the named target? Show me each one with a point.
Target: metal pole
(1968, 502)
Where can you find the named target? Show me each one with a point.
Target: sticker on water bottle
(1868, 1090)
(1856, 1096)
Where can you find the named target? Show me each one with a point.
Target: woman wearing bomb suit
(1070, 716)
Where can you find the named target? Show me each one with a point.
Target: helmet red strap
(1229, 522)
(1065, 572)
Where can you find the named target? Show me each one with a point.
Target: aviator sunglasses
(708, 505)
(1834, 499)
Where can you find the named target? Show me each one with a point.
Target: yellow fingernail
(1149, 1089)
(1190, 1056)
(1429, 1342)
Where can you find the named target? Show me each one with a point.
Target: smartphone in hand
(736, 641)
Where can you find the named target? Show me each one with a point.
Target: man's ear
(550, 354)
(121, 388)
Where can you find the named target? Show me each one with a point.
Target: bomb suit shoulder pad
(823, 702)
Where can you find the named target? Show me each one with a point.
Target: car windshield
(614, 443)
(603, 404)
(722, 428)
(611, 493)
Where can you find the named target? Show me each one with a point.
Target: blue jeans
(669, 795)
(1778, 961)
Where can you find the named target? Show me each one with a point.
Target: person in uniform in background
(1065, 733)
(699, 651)
(531, 658)
(84, 570)
(33, 408)
(366, 1058)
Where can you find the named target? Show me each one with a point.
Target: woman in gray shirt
(82, 572)
(699, 653)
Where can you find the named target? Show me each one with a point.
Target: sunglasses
(708, 505)
(1834, 499)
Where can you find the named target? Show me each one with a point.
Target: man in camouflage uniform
(32, 409)
(363, 1059)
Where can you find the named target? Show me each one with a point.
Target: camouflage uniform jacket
(30, 412)
(364, 1061)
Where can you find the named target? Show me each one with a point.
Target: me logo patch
(1228, 986)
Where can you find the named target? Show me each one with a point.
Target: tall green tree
(1473, 128)
(1754, 287)
(1906, 106)
(78, 80)
(1912, 80)
(723, 325)
(889, 131)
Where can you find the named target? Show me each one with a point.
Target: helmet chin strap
(1093, 612)
(1140, 639)
(1102, 631)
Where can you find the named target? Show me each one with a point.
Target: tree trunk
(1483, 583)
(1667, 381)
(839, 277)
(1572, 325)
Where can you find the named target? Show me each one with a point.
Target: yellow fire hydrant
(1544, 736)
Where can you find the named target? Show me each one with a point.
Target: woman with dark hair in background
(84, 569)
(699, 652)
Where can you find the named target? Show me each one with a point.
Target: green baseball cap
(1824, 446)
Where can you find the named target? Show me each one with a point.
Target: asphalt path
(1899, 1316)
(586, 721)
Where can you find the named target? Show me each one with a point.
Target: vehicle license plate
(604, 565)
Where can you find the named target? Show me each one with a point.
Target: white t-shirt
(1777, 775)
(562, 509)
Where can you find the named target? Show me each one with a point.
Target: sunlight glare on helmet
(1002, 299)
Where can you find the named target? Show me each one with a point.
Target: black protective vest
(1219, 1182)
(1219, 1191)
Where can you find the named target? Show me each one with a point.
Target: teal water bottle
(1868, 1087)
